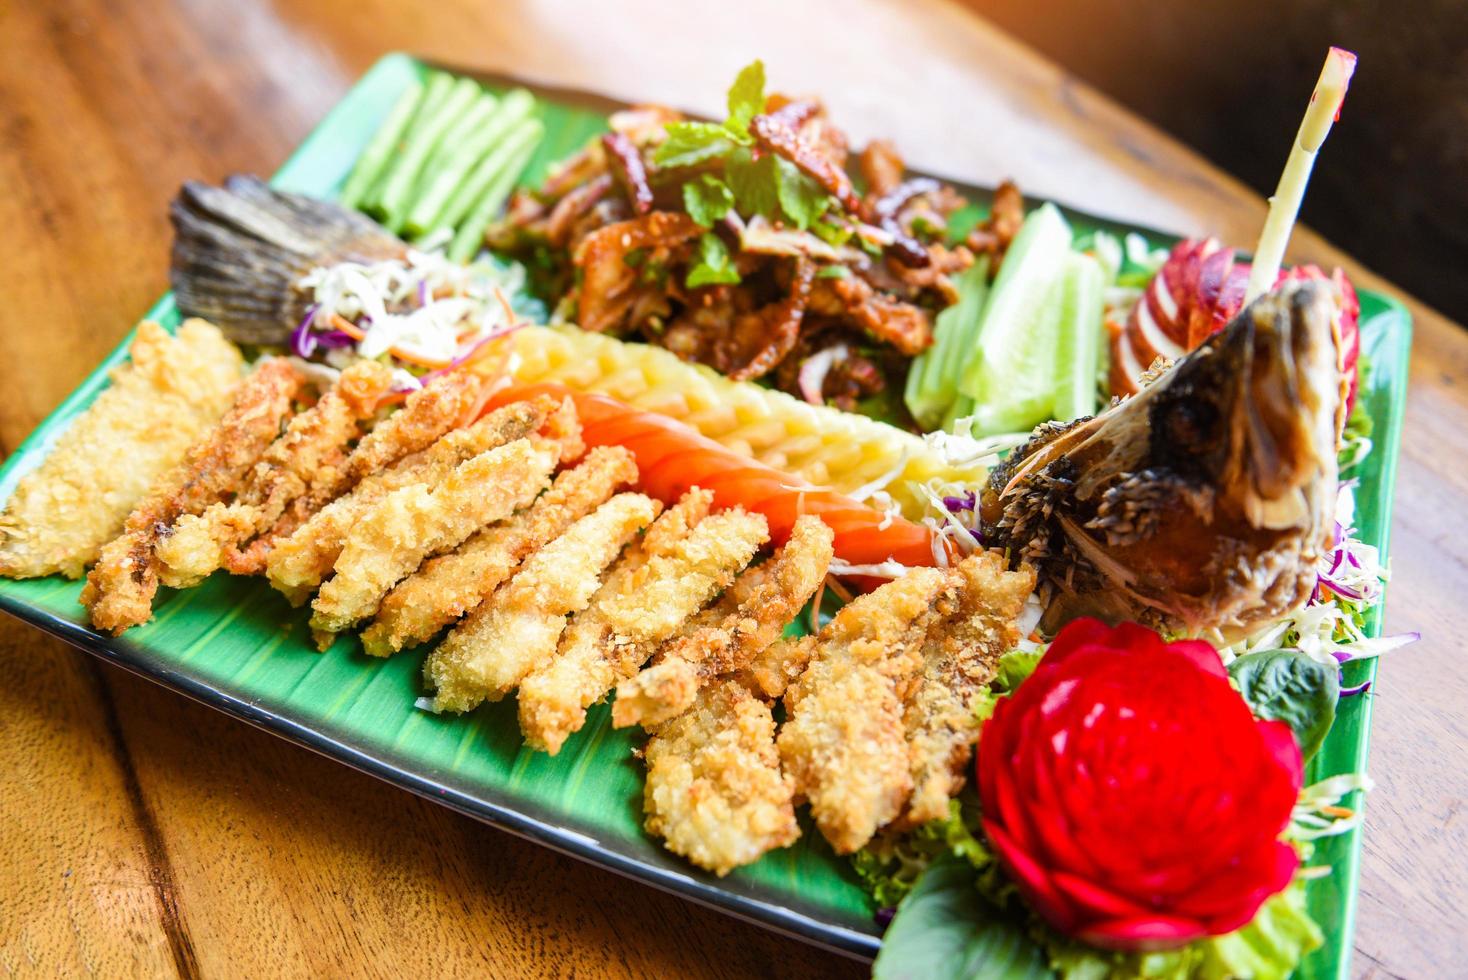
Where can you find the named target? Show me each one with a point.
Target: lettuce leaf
(1269, 948)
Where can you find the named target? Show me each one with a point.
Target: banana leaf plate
(236, 645)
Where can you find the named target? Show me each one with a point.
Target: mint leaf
(802, 199)
(833, 272)
(944, 928)
(1292, 687)
(746, 96)
(707, 199)
(1015, 666)
(691, 142)
(754, 182)
(713, 264)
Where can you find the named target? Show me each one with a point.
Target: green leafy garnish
(754, 182)
(689, 143)
(765, 184)
(945, 928)
(1015, 666)
(802, 199)
(714, 265)
(707, 199)
(833, 272)
(1292, 687)
(746, 96)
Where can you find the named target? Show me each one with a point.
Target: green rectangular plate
(235, 644)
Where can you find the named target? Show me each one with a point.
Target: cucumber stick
(1080, 338)
(380, 149)
(511, 156)
(485, 172)
(429, 210)
(419, 146)
(436, 89)
(933, 376)
(1011, 367)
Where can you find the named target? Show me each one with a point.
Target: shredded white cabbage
(424, 305)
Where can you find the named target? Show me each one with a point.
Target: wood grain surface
(141, 834)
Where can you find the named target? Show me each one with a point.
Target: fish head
(1255, 412)
(1201, 505)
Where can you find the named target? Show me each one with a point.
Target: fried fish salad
(747, 247)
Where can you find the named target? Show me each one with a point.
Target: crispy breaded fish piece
(554, 697)
(408, 525)
(120, 588)
(715, 792)
(426, 416)
(960, 658)
(308, 454)
(449, 586)
(516, 629)
(749, 617)
(685, 560)
(843, 739)
(297, 564)
(157, 405)
(777, 666)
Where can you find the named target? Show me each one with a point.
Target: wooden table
(140, 833)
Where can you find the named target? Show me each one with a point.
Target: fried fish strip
(156, 406)
(715, 792)
(449, 586)
(410, 524)
(751, 616)
(426, 416)
(517, 628)
(120, 589)
(308, 454)
(647, 600)
(297, 564)
(843, 739)
(960, 658)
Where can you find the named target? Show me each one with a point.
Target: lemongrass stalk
(1284, 206)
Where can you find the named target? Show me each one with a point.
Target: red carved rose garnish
(1131, 794)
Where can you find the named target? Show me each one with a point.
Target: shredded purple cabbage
(966, 502)
(303, 341)
(1350, 692)
(335, 340)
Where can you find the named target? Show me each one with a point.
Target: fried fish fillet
(517, 629)
(120, 588)
(297, 564)
(647, 599)
(426, 416)
(451, 585)
(843, 740)
(748, 618)
(960, 658)
(157, 405)
(309, 454)
(408, 525)
(715, 792)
